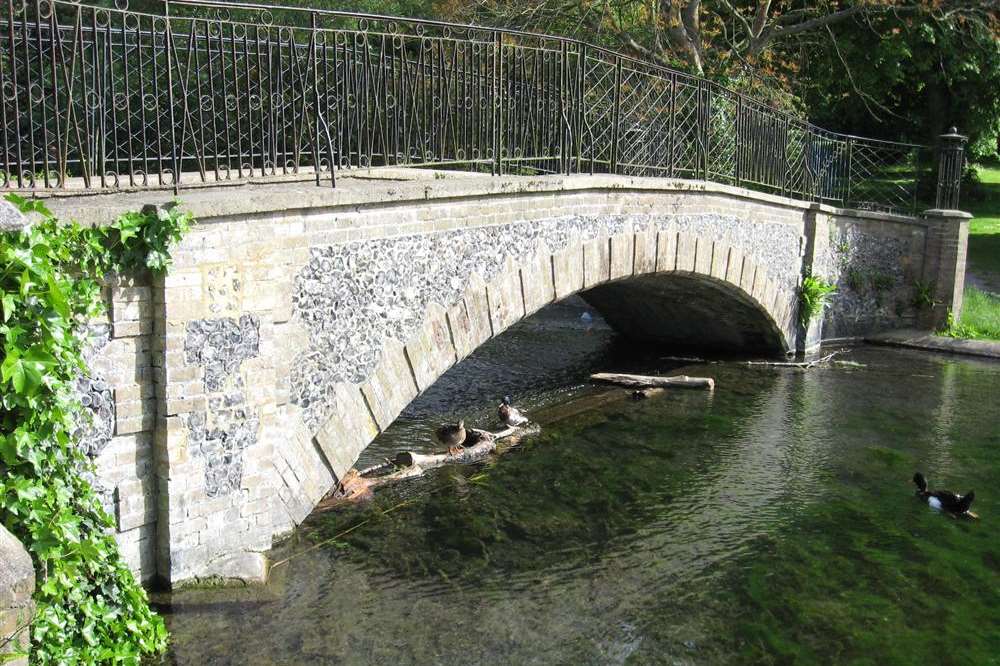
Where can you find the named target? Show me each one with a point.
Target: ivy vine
(90, 608)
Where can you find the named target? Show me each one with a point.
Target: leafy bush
(89, 606)
(813, 296)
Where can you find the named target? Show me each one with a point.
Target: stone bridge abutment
(298, 322)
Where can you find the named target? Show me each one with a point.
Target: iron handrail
(216, 91)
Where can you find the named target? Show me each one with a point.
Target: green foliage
(90, 608)
(907, 76)
(813, 296)
(980, 317)
(923, 294)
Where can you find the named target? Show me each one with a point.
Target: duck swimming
(452, 435)
(510, 415)
(945, 500)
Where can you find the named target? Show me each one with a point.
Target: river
(771, 521)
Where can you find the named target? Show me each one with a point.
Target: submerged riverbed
(771, 521)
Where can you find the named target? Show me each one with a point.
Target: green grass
(984, 231)
(980, 317)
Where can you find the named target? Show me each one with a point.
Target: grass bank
(980, 317)
(981, 309)
(984, 231)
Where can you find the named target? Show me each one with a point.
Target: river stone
(17, 583)
(11, 219)
(17, 574)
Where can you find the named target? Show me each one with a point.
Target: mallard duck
(510, 415)
(945, 500)
(452, 435)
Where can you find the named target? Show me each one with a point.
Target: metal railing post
(314, 56)
(169, 41)
(850, 171)
(950, 164)
(563, 120)
(497, 102)
(738, 130)
(581, 110)
(616, 112)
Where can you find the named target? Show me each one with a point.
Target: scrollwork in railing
(107, 97)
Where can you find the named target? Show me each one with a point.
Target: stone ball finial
(952, 130)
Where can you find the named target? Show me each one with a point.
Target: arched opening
(687, 311)
(590, 330)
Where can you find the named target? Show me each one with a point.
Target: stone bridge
(297, 322)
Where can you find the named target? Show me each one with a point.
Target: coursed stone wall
(120, 396)
(297, 324)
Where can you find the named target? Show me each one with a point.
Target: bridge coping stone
(236, 202)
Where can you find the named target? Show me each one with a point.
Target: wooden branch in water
(648, 381)
(806, 365)
(357, 486)
(486, 444)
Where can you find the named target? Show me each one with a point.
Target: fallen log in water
(355, 486)
(486, 444)
(648, 381)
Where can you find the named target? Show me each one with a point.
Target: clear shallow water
(770, 522)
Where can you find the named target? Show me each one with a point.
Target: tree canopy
(900, 69)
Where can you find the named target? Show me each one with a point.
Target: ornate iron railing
(209, 91)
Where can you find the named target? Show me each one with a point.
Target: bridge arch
(653, 278)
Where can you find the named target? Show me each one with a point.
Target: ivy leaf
(58, 299)
(9, 301)
(26, 283)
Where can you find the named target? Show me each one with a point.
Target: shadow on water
(769, 522)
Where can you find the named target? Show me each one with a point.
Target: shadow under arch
(687, 310)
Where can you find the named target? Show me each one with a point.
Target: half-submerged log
(649, 381)
(357, 486)
(478, 445)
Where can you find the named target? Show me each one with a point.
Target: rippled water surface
(772, 521)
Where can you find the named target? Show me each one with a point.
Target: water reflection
(771, 521)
